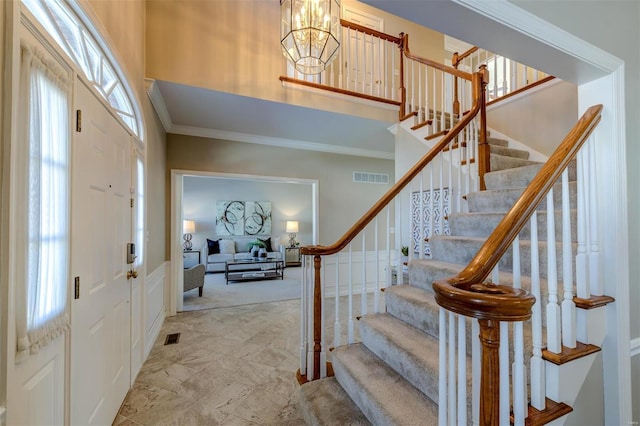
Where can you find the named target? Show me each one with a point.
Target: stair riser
(483, 225)
(424, 315)
(462, 251)
(502, 162)
(509, 152)
(424, 277)
(421, 370)
(503, 200)
(380, 393)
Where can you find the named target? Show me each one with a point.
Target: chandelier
(310, 33)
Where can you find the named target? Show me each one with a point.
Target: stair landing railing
(363, 261)
(507, 77)
(498, 365)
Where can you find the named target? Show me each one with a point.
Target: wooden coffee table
(252, 270)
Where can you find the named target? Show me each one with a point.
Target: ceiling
(207, 113)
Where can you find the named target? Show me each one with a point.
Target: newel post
(317, 316)
(490, 375)
(455, 61)
(484, 151)
(403, 90)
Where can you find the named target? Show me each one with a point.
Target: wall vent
(365, 177)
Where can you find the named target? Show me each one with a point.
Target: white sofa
(215, 262)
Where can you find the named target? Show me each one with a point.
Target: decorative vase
(262, 253)
(254, 252)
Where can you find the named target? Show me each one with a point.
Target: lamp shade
(188, 226)
(292, 226)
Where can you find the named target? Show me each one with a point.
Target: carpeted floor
(217, 294)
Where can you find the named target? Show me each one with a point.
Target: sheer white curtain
(41, 308)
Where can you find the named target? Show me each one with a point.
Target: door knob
(132, 274)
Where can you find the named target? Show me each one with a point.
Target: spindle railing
(351, 271)
(498, 311)
(506, 76)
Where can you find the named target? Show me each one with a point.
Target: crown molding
(278, 142)
(158, 103)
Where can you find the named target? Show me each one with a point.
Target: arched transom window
(79, 40)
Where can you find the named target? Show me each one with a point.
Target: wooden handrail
(478, 81)
(429, 62)
(467, 294)
(360, 28)
(457, 58)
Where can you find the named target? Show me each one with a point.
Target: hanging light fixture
(310, 33)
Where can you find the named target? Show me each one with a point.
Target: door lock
(132, 274)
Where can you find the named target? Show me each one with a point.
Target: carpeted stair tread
(509, 152)
(503, 162)
(414, 306)
(501, 200)
(519, 177)
(324, 402)
(382, 395)
(410, 352)
(462, 250)
(497, 141)
(423, 278)
(482, 224)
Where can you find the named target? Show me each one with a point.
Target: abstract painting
(257, 218)
(230, 218)
(243, 218)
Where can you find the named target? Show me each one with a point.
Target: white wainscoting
(154, 306)
(375, 261)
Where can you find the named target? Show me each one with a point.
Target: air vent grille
(366, 177)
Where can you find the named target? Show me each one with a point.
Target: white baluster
(505, 400)
(442, 368)
(420, 92)
(435, 127)
(568, 306)
(388, 249)
(431, 206)
(582, 265)
(323, 327)
(421, 234)
(452, 368)
(363, 292)
(337, 328)
(426, 94)
(597, 286)
(349, 58)
(303, 322)
(476, 368)
(538, 385)
(350, 297)
(462, 371)
(553, 309)
(376, 294)
(519, 384)
(441, 202)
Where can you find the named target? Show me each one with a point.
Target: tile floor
(232, 366)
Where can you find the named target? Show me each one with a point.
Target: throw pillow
(213, 246)
(227, 246)
(267, 243)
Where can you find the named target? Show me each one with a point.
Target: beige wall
(540, 120)
(156, 192)
(341, 201)
(233, 46)
(124, 24)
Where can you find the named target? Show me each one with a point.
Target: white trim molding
(158, 103)
(278, 142)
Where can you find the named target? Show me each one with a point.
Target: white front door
(100, 227)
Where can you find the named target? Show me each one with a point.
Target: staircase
(391, 376)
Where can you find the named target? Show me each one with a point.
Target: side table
(292, 256)
(188, 264)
